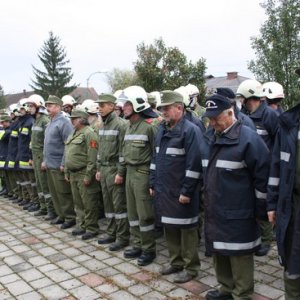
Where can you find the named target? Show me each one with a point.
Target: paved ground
(40, 261)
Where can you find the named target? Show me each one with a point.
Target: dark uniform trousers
(45, 198)
(292, 285)
(86, 201)
(114, 199)
(61, 195)
(235, 274)
(140, 207)
(185, 256)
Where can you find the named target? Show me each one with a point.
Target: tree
(277, 48)
(119, 79)
(55, 80)
(159, 67)
(2, 99)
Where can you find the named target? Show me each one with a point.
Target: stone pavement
(40, 261)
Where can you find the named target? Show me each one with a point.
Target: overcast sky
(102, 35)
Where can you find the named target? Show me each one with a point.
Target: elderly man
(57, 132)
(80, 169)
(235, 164)
(175, 173)
(283, 203)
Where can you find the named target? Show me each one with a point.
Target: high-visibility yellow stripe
(11, 164)
(24, 165)
(2, 164)
(14, 133)
(25, 131)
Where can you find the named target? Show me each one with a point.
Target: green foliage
(160, 68)
(3, 102)
(277, 48)
(120, 79)
(56, 77)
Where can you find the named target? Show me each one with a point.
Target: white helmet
(272, 90)
(157, 97)
(192, 90)
(89, 106)
(117, 93)
(37, 100)
(184, 93)
(23, 104)
(137, 96)
(68, 100)
(14, 109)
(250, 88)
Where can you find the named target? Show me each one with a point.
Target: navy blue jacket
(281, 185)
(235, 170)
(245, 120)
(265, 120)
(13, 145)
(195, 120)
(175, 170)
(4, 140)
(24, 152)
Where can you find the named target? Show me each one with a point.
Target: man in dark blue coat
(175, 174)
(235, 164)
(283, 202)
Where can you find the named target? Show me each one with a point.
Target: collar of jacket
(110, 117)
(176, 130)
(229, 138)
(260, 110)
(290, 118)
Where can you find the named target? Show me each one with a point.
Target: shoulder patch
(149, 121)
(93, 144)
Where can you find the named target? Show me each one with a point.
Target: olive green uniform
(111, 163)
(37, 146)
(137, 152)
(80, 164)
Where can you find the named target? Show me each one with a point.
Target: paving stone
(68, 264)
(31, 296)
(84, 292)
(267, 291)
(13, 260)
(88, 249)
(46, 251)
(18, 287)
(51, 229)
(56, 257)
(139, 289)
(93, 265)
(142, 276)
(77, 244)
(21, 248)
(40, 283)
(5, 295)
(179, 293)
(195, 287)
(9, 278)
(263, 278)
(21, 267)
(60, 246)
(122, 280)
(53, 241)
(6, 253)
(79, 271)
(38, 261)
(31, 240)
(92, 279)
(58, 275)
(112, 261)
(278, 284)
(71, 252)
(161, 285)
(53, 292)
(3, 248)
(209, 280)
(127, 268)
(259, 297)
(71, 284)
(30, 275)
(99, 254)
(122, 295)
(81, 258)
(28, 254)
(5, 270)
(107, 288)
(108, 272)
(47, 268)
(154, 295)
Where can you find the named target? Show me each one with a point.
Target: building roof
(232, 81)
(79, 94)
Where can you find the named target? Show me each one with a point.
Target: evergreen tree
(277, 48)
(2, 99)
(56, 77)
